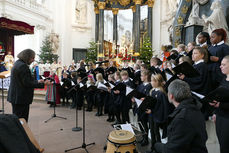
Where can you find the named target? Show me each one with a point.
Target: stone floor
(56, 136)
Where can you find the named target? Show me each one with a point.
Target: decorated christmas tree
(91, 54)
(146, 51)
(46, 52)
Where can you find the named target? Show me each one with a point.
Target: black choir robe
(200, 84)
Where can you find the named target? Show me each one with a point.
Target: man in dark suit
(22, 84)
(186, 130)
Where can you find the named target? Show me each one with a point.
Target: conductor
(22, 84)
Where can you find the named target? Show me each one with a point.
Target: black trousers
(21, 111)
(222, 125)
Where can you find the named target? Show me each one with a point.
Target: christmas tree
(91, 54)
(146, 51)
(46, 51)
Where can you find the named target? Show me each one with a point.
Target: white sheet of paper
(81, 85)
(61, 83)
(168, 76)
(127, 127)
(88, 85)
(128, 90)
(198, 95)
(42, 77)
(138, 101)
(73, 83)
(104, 81)
(101, 86)
(112, 86)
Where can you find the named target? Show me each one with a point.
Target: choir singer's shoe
(109, 119)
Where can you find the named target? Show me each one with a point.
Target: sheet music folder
(220, 94)
(187, 69)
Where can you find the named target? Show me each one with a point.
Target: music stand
(54, 109)
(84, 145)
(3, 75)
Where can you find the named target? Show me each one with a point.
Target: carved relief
(124, 2)
(180, 20)
(184, 9)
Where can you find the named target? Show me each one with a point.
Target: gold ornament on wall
(184, 9)
(101, 5)
(150, 3)
(133, 8)
(115, 11)
(139, 2)
(188, 1)
(124, 2)
(177, 42)
(177, 31)
(180, 20)
(96, 9)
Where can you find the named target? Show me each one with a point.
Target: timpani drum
(121, 141)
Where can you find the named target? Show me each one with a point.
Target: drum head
(121, 136)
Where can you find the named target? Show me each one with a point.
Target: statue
(81, 11)
(171, 8)
(54, 39)
(216, 20)
(9, 61)
(194, 18)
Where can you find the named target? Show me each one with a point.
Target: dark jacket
(186, 130)
(22, 84)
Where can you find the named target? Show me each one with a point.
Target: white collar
(220, 43)
(156, 89)
(182, 53)
(126, 80)
(201, 45)
(146, 83)
(198, 62)
(137, 70)
(117, 81)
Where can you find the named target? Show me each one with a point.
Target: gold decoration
(180, 20)
(133, 8)
(188, 1)
(177, 31)
(115, 11)
(101, 5)
(150, 3)
(184, 9)
(100, 55)
(96, 9)
(177, 42)
(139, 2)
(124, 2)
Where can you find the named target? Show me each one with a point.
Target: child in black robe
(65, 87)
(144, 88)
(159, 114)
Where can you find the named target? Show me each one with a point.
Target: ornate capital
(115, 11)
(133, 8)
(101, 5)
(96, 9)
(150, 3)
(138, 2)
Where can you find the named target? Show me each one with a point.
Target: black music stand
(54, 109)
(76, 128)
(84, 145)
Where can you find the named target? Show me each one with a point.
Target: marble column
(115, 25)
(150, 18)
(134, 27)
(101, 29)
(96, 24)
(138, 19)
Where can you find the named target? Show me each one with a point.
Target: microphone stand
(84, 145)
(54, 108)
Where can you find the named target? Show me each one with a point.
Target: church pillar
(115, 25)
(150, 18)
(138, 19)
(134, 27)
(96, 24)
(101, 29)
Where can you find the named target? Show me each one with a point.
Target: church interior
(77, 42)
